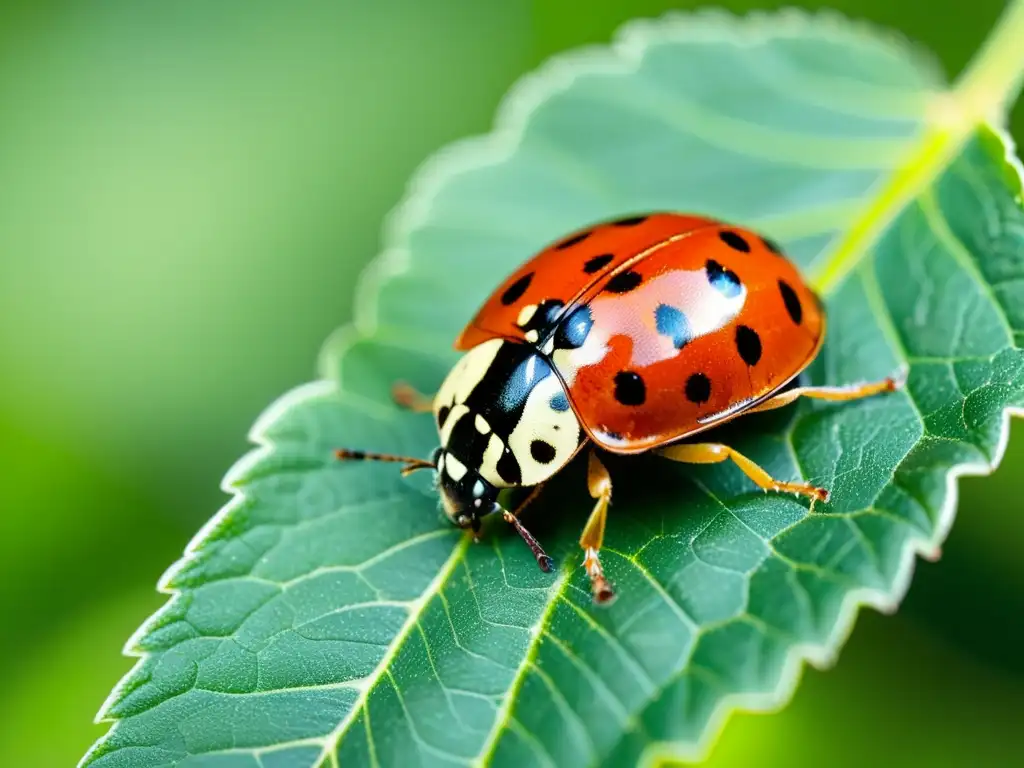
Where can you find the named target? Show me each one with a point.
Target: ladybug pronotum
(631, 336)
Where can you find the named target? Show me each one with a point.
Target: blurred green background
(187, 193)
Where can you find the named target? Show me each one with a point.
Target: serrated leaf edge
(473, 152)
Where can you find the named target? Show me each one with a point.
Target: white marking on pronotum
(489, 463)
(454, 416)
(456, 469)
(468, 372)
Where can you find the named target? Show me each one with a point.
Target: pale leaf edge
(476, 151)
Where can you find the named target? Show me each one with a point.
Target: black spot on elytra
(542, 451)
(698, 388)
(672, 322)
(734, 241)
(598, 263)
(442, 415)
(571, 241)
(508, 468)
(723, 280)
(629, 388)
(749, 344)
(792, 302)
(624, 282)
(630, 222)
(515, 291)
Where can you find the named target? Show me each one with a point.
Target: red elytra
(693, 322)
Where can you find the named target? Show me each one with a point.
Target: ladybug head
(465, 495)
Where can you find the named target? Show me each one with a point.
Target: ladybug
(629, 336)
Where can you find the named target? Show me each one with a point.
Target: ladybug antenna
(411, 464)
(545, 562)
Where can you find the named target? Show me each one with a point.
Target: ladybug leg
(543, 560)
(407, 397)
(512, 518)
(714, 453)
(848, 392)
(600, 484)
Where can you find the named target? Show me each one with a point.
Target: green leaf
(330, 616)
